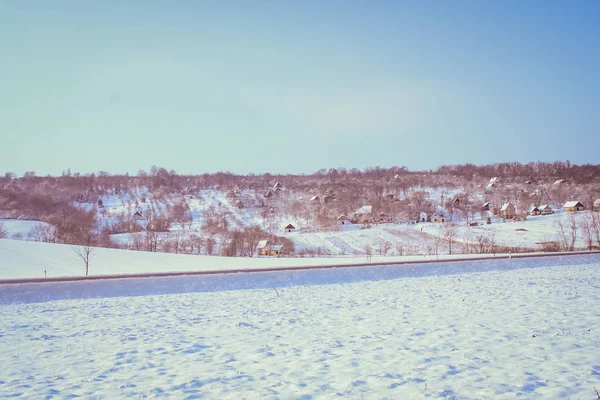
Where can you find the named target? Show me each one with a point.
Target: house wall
(578, 208)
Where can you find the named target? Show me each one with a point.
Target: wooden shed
(573, 206)
(534, 210)
(289, 228)
(545, 209)
(508, 211)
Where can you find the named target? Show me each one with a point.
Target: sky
(293, 87)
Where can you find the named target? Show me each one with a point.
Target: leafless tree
(400, 248)
(449, 234)
(586, 226)
(154, 240)
(368, 252)
(385, 248)
(42, 233)
(483, 243)
(85, 254)
(567, 232)
(595, 226)
(3, 231)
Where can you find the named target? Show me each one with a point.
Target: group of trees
(68, 202)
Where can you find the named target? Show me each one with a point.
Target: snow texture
(467, 330)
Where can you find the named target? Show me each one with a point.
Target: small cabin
(264, 248)
(508, 211)
(315, 199)
(137, 216)
(343, 220)
(277, 186)
(456, 202)
(545, 209)
(438, 218)
(423, 217)
(363, 214)
(573, 206)
(534, 210)
(289, 228)
(486, 206)
(268, 194)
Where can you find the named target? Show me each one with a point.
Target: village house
(315, 199)
(289, 228)
(268, 194)
(137, 216)
(486, 206)
(545, 209)
(423, 217)
(100, 203)
(363, 214)
(277, 186)
(438, 218)
(343, 220)
(508, 211)
(573, 206)
(264, 248)
(534, 210)
(456, 202)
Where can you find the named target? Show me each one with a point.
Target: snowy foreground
(468, 330)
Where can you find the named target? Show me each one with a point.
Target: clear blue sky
(291, 87)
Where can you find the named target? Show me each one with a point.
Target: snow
(19, 227)
(21, 259)
(528, 233)
(467, 330)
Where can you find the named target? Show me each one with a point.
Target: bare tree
(85, 254)
(586, 225)
(595, 226)
(368, 252)
(449, 233)
(42, 233)
(3, 231)
(483, 242)
(567, 232)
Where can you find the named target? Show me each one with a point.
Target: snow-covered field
(18, 228)
(20, 259)
(529, 233)
(495, 329)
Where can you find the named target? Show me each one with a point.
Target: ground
(469, 330)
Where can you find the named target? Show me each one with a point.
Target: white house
(343, 220)
(423, 217)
